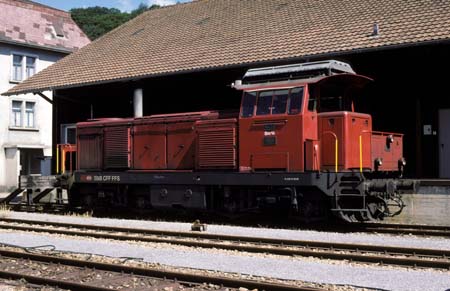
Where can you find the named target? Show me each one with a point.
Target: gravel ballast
(356, 238)
(385, 278)
(288, 268)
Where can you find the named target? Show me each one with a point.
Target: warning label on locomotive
(107, 178)
(100, 178)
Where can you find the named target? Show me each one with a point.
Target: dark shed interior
(408, 91)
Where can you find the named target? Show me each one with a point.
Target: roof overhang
(333, 54)
(37, 46)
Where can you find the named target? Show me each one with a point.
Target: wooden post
(419, 162)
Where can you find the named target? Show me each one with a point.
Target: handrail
(62, 149)
(385, 133)
(316, 164)
(57, 159)
(336, 149)
(361, 148)
(360, 153)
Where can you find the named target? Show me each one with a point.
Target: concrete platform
(435, 182)
(424, 209)
(434, 186)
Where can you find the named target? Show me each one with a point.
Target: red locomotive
(297, 144)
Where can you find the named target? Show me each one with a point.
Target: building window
(68, 133)
(31, 66)
(16, 117)
(29, 114)
(23, 67)
(17, 68)
(22, 114)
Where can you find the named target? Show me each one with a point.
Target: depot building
(184, 58)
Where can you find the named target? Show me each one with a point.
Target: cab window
(248, 104)
(280, 98)
(272, 102)
(295, 100)
(264, 103)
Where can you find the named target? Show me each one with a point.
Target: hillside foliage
(96, 21)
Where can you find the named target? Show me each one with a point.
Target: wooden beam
(44, 97)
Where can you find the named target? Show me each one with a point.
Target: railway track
(399, 229)
(399, 256)
(75, 274)
(385, 228)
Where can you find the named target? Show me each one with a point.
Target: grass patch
(87, 214)
(5, 210)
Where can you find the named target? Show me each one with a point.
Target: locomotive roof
(347, 79)
(213, 34)
(159, 118)
(293, 71)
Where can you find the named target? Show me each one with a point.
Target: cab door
(270, 130)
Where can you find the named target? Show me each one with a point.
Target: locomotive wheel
(395, 203)
(88, 201)
(358, 216)
(354, 217)
(377, 209)
(368, 215)
(361, 216)
(347, 216)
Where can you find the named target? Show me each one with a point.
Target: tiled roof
(27, 23)
(219, 33)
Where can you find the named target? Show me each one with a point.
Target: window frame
(302, 100)
(24, 65)
(27, 71)
(271, 107)
(24, 121)
(14, 113)
(26, 115)
(286, 104)
(64, 129)
(258, 95)
(241, 113)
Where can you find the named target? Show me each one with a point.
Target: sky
(124, 5)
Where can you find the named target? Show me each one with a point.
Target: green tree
(96, 21)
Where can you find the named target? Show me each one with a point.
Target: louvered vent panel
(217, 147)
(89, 152)
(117, 147)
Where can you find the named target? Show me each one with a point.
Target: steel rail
(386, 228)
(73, 286)
(416, 257)
(220, 236)
(148, 272)
(415, 229)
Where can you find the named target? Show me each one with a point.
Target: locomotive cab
(301, 118)
(271, 129)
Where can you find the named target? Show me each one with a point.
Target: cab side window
(296, 100)
(312, 104)
(248, 104)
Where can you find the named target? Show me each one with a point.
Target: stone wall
(424, 209)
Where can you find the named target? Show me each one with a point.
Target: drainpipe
(138, 102)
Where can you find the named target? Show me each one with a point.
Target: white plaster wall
(41, 137)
